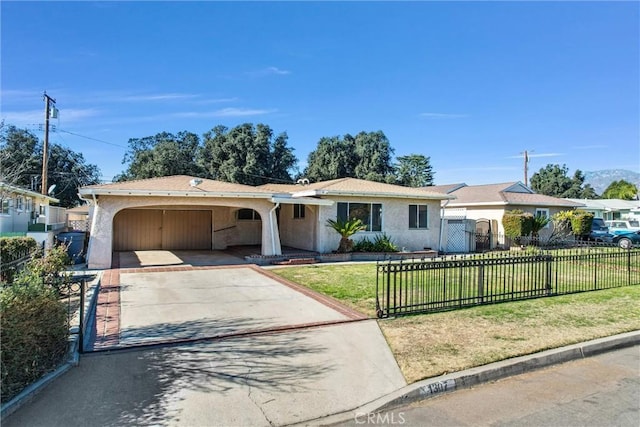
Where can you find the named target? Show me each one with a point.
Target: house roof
(356, 187)
(608, 204)
(23, 191)
(176, 185)
(507, 193)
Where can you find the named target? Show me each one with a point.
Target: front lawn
(428, 345)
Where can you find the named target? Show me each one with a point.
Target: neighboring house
(24, 212)
(486, 205)
(184, 212)
(610, 209)
(78, 218)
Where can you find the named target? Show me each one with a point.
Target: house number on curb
(439, 387)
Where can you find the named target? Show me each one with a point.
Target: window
(369, 213)
(298, 211)
(544, 213)
(4, 209)
(418, 216)
(29, 204)
(19, 203)
(248, 215)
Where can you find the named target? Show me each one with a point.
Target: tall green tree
(366, 156)
(21, 165)
(163, 154)
(374, 154)
(414, 170)
(334, 157)
(553, 180)
(621, 190)
(246, 154)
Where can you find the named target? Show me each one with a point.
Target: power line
(92, 139)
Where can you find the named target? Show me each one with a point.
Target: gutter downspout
(442, 209)
(273, 236)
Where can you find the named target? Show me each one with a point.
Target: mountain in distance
(600, 180)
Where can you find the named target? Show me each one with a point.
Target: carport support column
(271, 234)
(100, 240)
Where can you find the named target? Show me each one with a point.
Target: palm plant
(346, 229)
(538, 223)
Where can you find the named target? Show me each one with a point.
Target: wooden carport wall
(106, 206)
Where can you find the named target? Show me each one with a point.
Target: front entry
(153, 229)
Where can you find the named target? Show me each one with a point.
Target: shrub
(48, 267)
(517, 223)
(581, 222)
(34, 334)
(13, 249)
(381, 243)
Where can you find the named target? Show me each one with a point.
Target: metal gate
(483, 235)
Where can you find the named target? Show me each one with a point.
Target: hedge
(34, 334)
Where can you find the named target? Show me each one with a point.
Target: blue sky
(470, 84)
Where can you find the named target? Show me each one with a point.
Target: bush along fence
(444, 284)
(39, 305)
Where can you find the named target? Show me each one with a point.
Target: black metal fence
(406, 287)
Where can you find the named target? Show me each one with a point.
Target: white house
(25, 212)
(184, 212)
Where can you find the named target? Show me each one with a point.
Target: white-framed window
(29, 204)
(369, 213)
(298, 211)
(248, 215)
(19, 203)
(544, 213)
(418, 217)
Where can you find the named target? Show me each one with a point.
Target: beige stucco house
(189, 213)
(485, 205)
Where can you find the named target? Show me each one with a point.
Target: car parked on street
(599, 230)
(624, 240)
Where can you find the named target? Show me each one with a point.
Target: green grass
(353, 284)
(427, 345)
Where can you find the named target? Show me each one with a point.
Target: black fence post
(81, 324)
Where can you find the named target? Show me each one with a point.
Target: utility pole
(526, 168)
(45, 148)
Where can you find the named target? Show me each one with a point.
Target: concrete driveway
(234, 346)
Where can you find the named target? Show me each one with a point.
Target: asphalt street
(603, 390)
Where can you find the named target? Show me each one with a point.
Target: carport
(185, 213)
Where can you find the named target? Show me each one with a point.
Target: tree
(333, 158)
(554, 181)
(365, 156)
(164, 154)
(621, 190)
(21, 157)
(374, 154)
(414, 170)
(246, 154)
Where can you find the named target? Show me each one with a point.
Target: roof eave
(161, 193)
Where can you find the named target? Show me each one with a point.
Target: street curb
(447, 383)
(73, 358)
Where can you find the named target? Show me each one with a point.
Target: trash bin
(75, 244)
